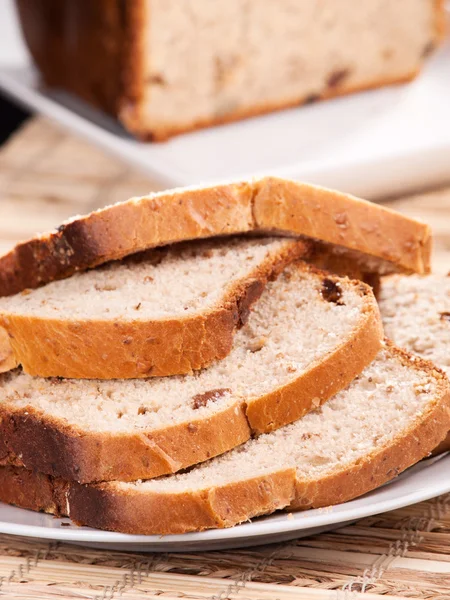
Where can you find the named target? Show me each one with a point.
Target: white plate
(371, 144)
(424, 481)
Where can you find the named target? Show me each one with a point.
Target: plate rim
(271, 525)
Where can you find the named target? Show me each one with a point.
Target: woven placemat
(47, 175)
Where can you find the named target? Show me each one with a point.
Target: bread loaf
(169, 66)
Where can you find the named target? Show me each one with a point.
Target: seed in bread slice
(163, 312)
(306, 338)
(381, 238)
(390, 417)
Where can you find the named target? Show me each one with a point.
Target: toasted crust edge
(107, 506)
(196, 213)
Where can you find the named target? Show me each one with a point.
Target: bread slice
(173, 66)
(416, 315)
(164, 312)
(390, 417)
(381, 239)
(308, 336)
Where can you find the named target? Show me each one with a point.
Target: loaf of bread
(306, 338)
(390, 417)
(376, 239)
(169, 66)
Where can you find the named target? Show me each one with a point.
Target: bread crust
(122, 229)
(75, 43)
(126, 349)
(47, 444)
(195, 213)
(111, 506)
(133, 65)
(301, 209)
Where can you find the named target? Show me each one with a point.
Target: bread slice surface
(388, 418)
(164, 312)
(306, 338)
(416, 315)
(383, 239)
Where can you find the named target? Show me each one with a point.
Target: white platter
(424, 481)
(372, 144)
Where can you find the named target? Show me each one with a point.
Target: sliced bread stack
(127, 360)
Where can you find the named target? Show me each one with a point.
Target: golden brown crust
(106, 507)
(444, 446)
(133, 65)
(179, 513)
(113, 506)
(126, 228)
(120, 349)
(75, 44)
(48, 445)
(339, 219)
(440, 20)
(7, 359)
(195, 213)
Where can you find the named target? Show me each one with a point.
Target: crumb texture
(383, 403)
(178, 282)
(208, 61)
(416, 315)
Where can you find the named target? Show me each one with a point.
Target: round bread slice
(164, 312)
(382, 239)
(306, 338)
(390, 417)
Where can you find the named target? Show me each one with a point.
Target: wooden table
(46, 175)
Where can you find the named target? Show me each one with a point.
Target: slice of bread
(416, 315)
(306, 338)
(381, 239)
(163, 312)
(390, 417)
